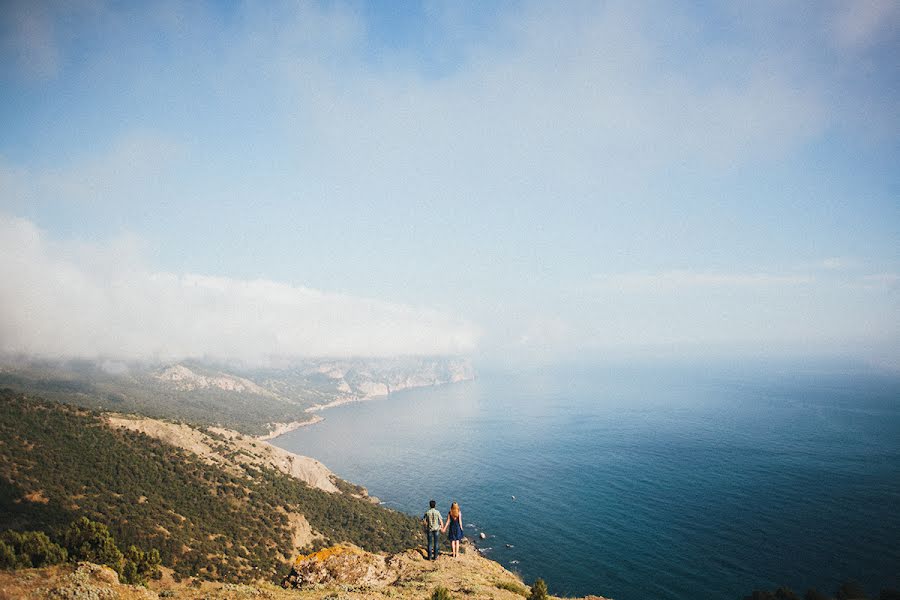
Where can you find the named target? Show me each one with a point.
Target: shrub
(814, 594)
(29, 549)
(539, 590)
(140, 565)
(91, 541)
(7, 556)
(441, 593)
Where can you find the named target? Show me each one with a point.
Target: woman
(454, 524)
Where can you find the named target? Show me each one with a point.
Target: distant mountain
(256, 401)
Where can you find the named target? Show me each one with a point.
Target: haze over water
(635, 483)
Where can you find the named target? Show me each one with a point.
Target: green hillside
(59, 462)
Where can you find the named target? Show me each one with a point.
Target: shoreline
(280, 429)
(284, 428)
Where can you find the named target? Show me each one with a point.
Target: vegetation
(82, 540)
(91, 541)
(83, 384)
(59, 463)
(29, 549)
(441, 593)
(513, 587)
(275, 395)
(539, 590)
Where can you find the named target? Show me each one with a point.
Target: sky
(516, 181)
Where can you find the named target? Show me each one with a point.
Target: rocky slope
(230, 449)
(344, 574)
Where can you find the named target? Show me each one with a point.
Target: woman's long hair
(454, 510)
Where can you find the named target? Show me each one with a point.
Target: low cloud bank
(60, 300)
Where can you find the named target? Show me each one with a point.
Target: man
(433, 524)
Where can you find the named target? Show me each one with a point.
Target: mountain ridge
(260, 401)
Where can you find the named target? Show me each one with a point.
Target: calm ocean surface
(645, 483)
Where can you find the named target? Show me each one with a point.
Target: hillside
(402, 576)
(254, 401)
(226, 513)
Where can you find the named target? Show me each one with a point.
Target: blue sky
(525, 181)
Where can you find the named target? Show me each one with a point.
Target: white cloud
(88, 301)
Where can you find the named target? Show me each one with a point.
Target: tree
(140, 565)
(23, 550)
(91, 541)
(7, 556)
(40, 551)
(539, 590)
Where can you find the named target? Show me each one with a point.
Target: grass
(441, 593)
(512, 586)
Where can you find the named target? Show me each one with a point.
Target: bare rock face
(88, 582)
(339, 565)
(184, 379)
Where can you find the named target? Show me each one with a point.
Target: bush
(140, 565)
(814, 594)
(29, 549)
(91, 541)
(539, 590)
(441, 593)
(7, 556)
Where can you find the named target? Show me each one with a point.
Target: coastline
(280, 429)
(346, 400)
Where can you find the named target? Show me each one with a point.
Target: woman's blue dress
(455, 532)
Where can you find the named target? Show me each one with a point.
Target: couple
(434, 525)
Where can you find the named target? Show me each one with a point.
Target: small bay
(637, 483)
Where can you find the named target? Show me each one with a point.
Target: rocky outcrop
(340, 565)
(184, 379)
(341, 572)
(86, 581)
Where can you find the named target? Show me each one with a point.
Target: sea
(645, 482)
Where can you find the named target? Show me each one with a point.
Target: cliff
(360, 576)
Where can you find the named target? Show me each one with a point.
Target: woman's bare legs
(455, 545)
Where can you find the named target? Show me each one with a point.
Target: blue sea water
(645, 483)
